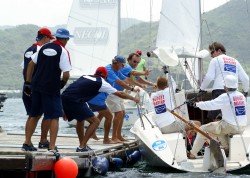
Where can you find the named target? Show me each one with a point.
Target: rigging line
(248, 12)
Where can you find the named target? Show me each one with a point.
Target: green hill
(228, 24)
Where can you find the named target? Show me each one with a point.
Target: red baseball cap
(138, 52)
(45, 31)
(102, 72)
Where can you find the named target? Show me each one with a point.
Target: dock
(39, 164)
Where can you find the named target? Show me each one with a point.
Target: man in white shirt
(219, 67)
(233, 107)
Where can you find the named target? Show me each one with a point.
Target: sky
(55, 12)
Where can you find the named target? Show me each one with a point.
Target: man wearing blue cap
(51, 60)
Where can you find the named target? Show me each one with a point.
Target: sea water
(13, 119)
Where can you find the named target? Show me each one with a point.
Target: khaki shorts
(115, 103)
(176, 126)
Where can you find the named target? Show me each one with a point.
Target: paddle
(217, 155)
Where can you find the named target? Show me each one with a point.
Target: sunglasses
(212, 52)
(136, 62)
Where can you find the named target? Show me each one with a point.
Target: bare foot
(95, 137)
(116, 140)
(122, 139)
(109, 142)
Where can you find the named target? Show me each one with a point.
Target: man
(162, 100)
(51, 60)
(43, 36)
(234, 120)
(220, 66)
(141, 66)
(74, 100)
(115, 104)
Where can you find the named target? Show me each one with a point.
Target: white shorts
(115, 103)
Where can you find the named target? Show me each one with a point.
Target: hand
(245, 93)
(147, 72)
(63, 83)
(177, 90)
(202, 91)
(137, 99)
(27, 88)
(136, 90)
(190, 103)
(165, 69)
(148, 54)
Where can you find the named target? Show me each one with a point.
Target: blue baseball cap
(62, 33)
(120, 59)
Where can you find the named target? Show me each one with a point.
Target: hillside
(228, 24)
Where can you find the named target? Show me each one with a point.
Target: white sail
(179, 31)
(94, 25)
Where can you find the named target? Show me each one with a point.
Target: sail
(94, 25)
(179, 31)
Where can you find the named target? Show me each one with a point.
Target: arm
(30, 70)
(209, 76)
(124, 85)
(143, 81)
(137, 73)
(134, 82)
(243, 78)
(124, 95)
(217, 103)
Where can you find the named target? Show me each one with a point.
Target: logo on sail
(91, 35)
(98, 3)
(159, 145)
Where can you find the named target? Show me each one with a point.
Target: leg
(30, 128)
(107, 125)
(119, 131)
(94, 123)
(54, 125)
(80, 130)
(118, 116)
(44, 130)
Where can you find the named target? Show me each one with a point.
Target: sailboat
(96, 28)
(178, 41)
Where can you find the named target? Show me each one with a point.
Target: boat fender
(116, 162)
(100, 165)
(134, 157)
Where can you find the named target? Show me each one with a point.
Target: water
(13, 120)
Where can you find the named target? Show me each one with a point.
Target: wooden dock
(17, 163)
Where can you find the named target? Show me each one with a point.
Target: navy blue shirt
(83, 89)
(27, 58)
(48, 73)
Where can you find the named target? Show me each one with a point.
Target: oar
(217, 155)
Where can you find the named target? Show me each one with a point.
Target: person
(51, 60)
(74, 100)
(115, 104)
(234, 120)
(219, 67)
(141, 67)
(162, 100)
(134, 77)
(43, 36)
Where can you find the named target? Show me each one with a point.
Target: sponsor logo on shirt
(49, 52)
(159, 104)
(28, 54)
(239, 105)
(229, 65)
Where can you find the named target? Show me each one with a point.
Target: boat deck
(12, 158)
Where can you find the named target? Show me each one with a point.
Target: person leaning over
(219, 67)
(141, 67)
(43, 36)
(74, 100)
(234, 120)
(51, 61)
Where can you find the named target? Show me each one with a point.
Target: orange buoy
(66, 168)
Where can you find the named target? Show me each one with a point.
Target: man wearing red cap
(74, 100)
(43, 36)
(141, 66)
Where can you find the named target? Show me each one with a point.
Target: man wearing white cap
(51, 60)
(234, 120)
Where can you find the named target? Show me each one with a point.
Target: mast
(119, 27)
(200, 61)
